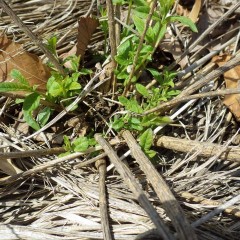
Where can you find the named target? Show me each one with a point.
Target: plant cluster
(139, 41)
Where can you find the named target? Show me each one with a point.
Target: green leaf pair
(80, 144)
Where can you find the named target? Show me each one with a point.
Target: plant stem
(153, 6)
(112, 36)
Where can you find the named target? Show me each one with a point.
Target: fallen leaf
(232, 80)
(193, 15)
(86, 28)
(13, 56)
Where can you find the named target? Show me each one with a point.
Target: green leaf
(134, 106)
(27, 116)
(146, 139)
(142, 90)
(85, 71)
(118, 124)
(74, 86)
(139, 23)
(15, 74)
(135, 123)
(80, 144)
(13, 86)
(75, 62)
(150, 153)
(184, 20)
(156, 74)
(92, 142)
(153, 120)
(173, 92)
(146, 49)
(55, 89)
(122, 75)
(19, 100)
(162, 32)
(123, 100)
(67, 144)
(123, 48)
(143, 12)
(43, 116)
(52, 43)
(31, 102)
(122, 60)
(140, 3)
(119, 2)
(75, 76)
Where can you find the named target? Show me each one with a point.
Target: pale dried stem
(50, 164)
(101, 166)
(112, 38)
(204, 201)
(206, 33)
(170, 204)
(134, 185)
(204, 149)
(164, 106)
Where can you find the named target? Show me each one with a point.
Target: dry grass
(62, 201)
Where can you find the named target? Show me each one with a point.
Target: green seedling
(60, 89)
(127, 57)
(80, 144)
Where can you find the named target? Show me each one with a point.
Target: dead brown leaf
(232, 80)
(86, 28)
(13, 56)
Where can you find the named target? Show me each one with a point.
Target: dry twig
(170, 204)
(133, 184)
(204, 149)
(101, 166)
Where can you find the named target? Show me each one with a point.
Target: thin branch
(163, 106)
(204, 149)
(134, 185)
(206, 33)
(112, 37)
(101, 166)
(165, 195)
(30, 34)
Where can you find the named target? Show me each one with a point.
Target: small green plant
(80, 144)
(133, 54)
(150, 98)
(140, 37)
(129, 57)
(60, 89)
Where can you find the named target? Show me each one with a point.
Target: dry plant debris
(13, 56)
(189, 189)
